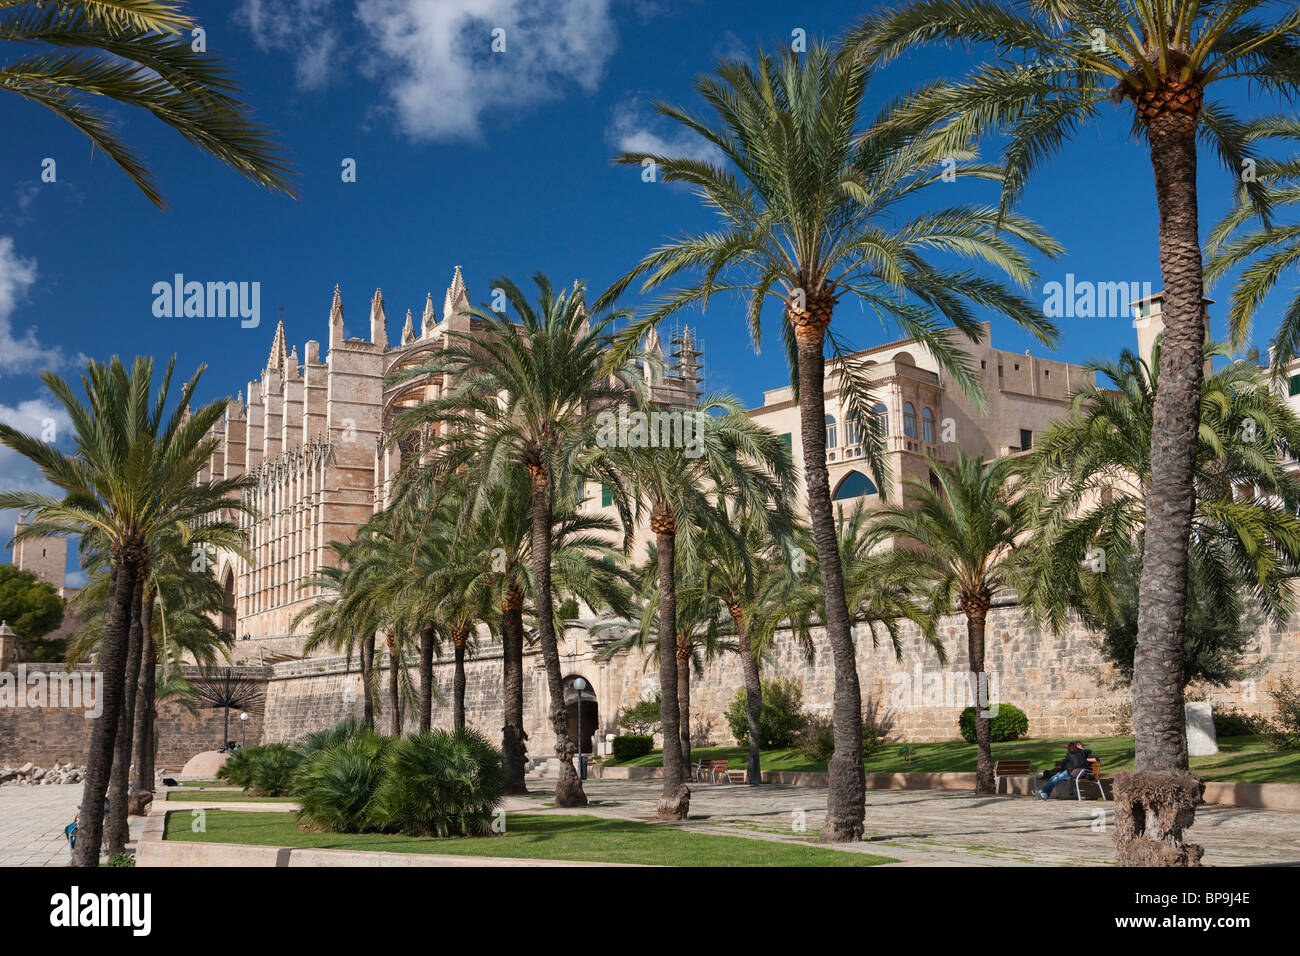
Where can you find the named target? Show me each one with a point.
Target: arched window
(830, 432)
(880, 419)
(927, 425)
(909, 420)
(854, 485)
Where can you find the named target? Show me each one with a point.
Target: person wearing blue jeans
(1076, 761)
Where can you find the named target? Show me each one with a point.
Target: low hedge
(631, 746)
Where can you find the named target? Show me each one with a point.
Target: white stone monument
(1201, 739)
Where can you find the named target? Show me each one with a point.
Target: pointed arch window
(832, 436)
(909, 420)
(854, 485)
(880, 419)
(927, 425)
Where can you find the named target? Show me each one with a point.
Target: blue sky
(499, 163)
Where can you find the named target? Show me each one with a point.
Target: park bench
(1090, 774)
(714, 768)
(1013, 768)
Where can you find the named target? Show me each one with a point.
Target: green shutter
(789, 443)
(606, 496)
(1026, 439)
(1295, 384)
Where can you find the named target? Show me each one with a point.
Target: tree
(142, 54)
(725, 457)
(30, 606)
(526, 396)
(810, 207)
(966, 525)
(1090, 474)
(135, 473)
(1056, 63)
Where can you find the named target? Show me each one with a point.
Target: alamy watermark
(1092, 300)
(19, 688)
(945, 689)
(208, 300)
(655, 429)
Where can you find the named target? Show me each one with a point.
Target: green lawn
(224, 796)
(1240, 759)
(534, 837)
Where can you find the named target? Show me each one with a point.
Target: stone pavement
(32, 821)
(932, 827)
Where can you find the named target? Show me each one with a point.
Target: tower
(47, 558)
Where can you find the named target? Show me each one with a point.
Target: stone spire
(428, 320)
(457, 296)
(378, 321)
(336, 319)
(279, 352)
(408, 330)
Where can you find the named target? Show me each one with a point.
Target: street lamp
(243, 728)
(580, 685)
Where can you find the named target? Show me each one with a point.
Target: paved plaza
(917, 827)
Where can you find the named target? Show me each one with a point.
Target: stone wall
(49, 726)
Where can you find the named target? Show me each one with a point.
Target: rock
(26, 768)
(1201, 739)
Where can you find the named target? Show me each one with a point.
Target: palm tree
(810, 211)
(725, 455)
(966, 525)
(137, 53)
(135, 473)
(1091, 472)
(1056, 64)
(1271, 249)
(526, 397)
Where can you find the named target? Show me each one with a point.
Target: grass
(1240, 759)
(532, 837)
(224, 796)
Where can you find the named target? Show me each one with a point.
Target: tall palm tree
(966, 525)
(1270, 249)
(138, 53)
(725, 455)
(1055, 64)
(810, 209)
(135, 472)
(1091, 472)
(526, 396)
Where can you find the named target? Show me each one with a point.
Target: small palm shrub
(336, 785)
(441, 783)
(121, 859)
(877, 725)
(345, 729)
(780, 719)
(1010, 723)
(271, 769)
(631, 746)
(238, 768)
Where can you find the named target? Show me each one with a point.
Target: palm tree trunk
(846, 802)
(103, 731)
(119, 827)
(458, 682)
(568, 789)
(394, 695)
(976, 610)
(367, 678)
(684, 701)
(146, 704)
(426, 678)
(753, 693)
(675, 800)
(514, 753)
(1160, 739)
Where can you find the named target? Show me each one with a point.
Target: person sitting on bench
(1076, 761)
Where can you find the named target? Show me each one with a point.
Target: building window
(789, 443)
(927, 425)
(909, 420)
(1295, 384)
(831, 432)
(880, 419)
(1026, 439)
(606, 495)
(854, 485)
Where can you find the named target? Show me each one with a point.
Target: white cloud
(20, 353)
(435, 60)
(636, 128)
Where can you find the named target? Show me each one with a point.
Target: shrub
(441, 783)
(782, 715)
(121, 859)
(631, 746)
(271, 769)
(238, 768)
(331, 736)
(642, 717)
(1283, 731)
(815, 740)
(1010, 723)
(1231, 722)
(1122, 714)
(336, 786)
(876, 727)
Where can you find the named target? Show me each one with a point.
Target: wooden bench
(712, 768)
(1013, 768)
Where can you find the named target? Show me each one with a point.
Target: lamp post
(580, 685)
(243, 729)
